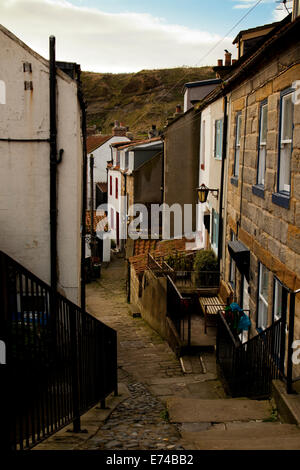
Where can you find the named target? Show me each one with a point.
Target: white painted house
(210, 163)
(99, 146)
(25, 164)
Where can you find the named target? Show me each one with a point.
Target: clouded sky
(130, 35)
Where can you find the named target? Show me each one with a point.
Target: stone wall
(271, 232)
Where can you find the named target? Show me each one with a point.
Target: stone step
(192, 365)
(242, 436)
(193, 410)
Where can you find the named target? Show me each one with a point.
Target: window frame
(260, 144)
(232, 265)
(110, 185)
(117, 188)
(215, 220)
(237, 144)
(202, 149)
(283, 95)
(220, 123)
(260, 298)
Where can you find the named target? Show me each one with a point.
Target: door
(245, 306)
(118, 227)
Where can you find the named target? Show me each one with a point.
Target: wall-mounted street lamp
(203, 193)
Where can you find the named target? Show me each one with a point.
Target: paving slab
(184, 410)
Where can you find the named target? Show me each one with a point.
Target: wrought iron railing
(179, 311)
(197, 279)
(60, 361)
(249, 368)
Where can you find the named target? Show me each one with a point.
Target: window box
(282, 200)
(258, 190)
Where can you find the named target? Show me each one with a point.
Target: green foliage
(179, 261)
(205, 260)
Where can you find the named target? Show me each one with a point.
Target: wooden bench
(211, 304)
(210, 307)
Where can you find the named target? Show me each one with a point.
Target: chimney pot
(220, 62)
(178, 109)
(227, 59)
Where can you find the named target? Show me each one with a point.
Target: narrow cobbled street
(160, 407)
(149, 372)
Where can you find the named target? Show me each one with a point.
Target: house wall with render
(24, 167)
(263, 220)
(181, 160)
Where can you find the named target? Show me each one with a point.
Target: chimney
(227, 59)
(220, 63)
(119, 129)
(233, 61)
(153, 132)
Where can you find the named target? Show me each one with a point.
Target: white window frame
(2, 92)
(215, 230)
(262, 144)
(284, 155)
(263, 303)
(218, 125)
(237, 147)
(202, 151)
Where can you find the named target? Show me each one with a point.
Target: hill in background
(137, 99)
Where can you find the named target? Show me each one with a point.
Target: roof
(102, 187)
(97, 218)
(158, 250)
(253, 30)
(95, 141)
(123, 143)
(140, 142)
(213, 81)
(247, 62)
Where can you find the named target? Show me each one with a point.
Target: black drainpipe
(224, 149)
(84, 189)
(54, 161)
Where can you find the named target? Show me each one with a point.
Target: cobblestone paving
(137, 423)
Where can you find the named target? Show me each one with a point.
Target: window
(262, 143)
(237, 145)
(202, 152)
(2, 92)
(218, 139)
(215, 230)
(110, 185)
(263, 289)
(126, 160)
(279, 300)
(232, 267)
(285, 142)
(117, 188)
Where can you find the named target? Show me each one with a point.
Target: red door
(118, 227)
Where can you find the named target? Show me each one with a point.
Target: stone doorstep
(184, 410)
(91, 421)
(288, 405)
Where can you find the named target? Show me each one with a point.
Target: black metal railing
(197, 279)
(60, 361)
(249, 368)
(179, 311)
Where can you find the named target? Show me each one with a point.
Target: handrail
(60, 359)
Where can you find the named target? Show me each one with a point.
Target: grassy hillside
(137, 99)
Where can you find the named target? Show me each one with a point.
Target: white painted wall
(211, 174)
(24, 167)
(101, 156)
(114, 204)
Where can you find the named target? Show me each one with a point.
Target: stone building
(263, 171)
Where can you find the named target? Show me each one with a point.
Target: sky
(130, 35)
